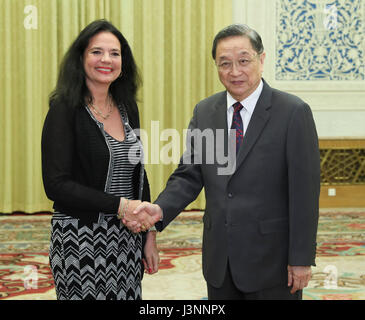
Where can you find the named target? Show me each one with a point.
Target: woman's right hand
(135, 222)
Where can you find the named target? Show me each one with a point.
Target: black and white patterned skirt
(102, 262)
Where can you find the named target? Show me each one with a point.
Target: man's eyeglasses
(227, 65)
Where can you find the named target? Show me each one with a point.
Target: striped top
(125, 156)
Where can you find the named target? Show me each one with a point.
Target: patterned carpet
(339, 274)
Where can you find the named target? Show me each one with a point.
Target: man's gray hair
(239, 30)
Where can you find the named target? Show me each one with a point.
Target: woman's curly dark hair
(71, 86)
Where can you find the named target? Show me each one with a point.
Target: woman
(92, 170)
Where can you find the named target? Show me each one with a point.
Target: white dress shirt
(248, 104)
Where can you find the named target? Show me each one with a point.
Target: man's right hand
(143, 217)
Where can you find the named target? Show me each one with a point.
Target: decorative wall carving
(320, 40)
(342, 166)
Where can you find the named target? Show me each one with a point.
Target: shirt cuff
(161, 214)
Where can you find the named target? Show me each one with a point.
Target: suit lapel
(219, 122)
(219, 113)
(257, 123)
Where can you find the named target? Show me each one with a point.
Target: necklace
(99, 113)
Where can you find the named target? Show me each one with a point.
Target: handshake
(138, 216)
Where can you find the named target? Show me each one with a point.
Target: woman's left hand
(152, 257)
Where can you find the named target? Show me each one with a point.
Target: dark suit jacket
(264, 216)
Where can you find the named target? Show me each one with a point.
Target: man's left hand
(298, 277)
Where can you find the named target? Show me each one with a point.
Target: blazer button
(230, 195)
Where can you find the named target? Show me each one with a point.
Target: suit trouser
(228, 291)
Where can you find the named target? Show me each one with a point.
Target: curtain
(171, 41)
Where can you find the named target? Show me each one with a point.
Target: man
(260, 222)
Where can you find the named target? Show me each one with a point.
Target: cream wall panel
(340, 124)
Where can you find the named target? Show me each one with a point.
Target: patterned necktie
(237, 124)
